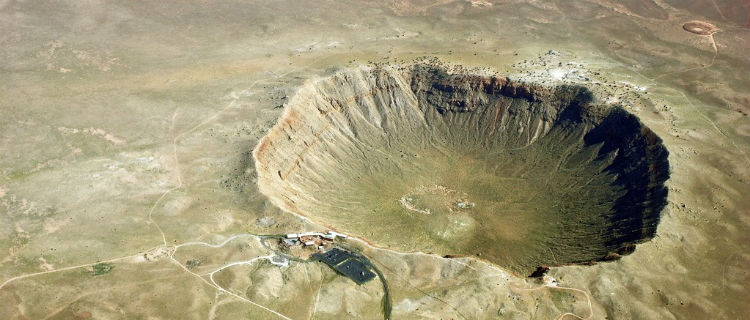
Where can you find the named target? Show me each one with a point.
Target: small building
(309, 243)
(336, 234)
(309, 234)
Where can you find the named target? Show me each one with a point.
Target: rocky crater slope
(420, 159)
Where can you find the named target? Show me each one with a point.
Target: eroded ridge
(416, 158)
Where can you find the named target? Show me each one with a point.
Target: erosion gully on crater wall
(416, 158)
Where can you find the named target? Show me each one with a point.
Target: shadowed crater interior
(419, 159)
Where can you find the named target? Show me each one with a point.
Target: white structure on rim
(329, 235)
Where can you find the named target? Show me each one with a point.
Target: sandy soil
(126, 132)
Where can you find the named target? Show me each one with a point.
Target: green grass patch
(102, 268)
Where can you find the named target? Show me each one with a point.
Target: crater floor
(419, 159)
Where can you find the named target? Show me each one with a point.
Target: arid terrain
(130, 133)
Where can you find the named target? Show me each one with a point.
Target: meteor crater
(417, 158)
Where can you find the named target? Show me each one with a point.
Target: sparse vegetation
(192, 263)
(101, 268)
(134, 120)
